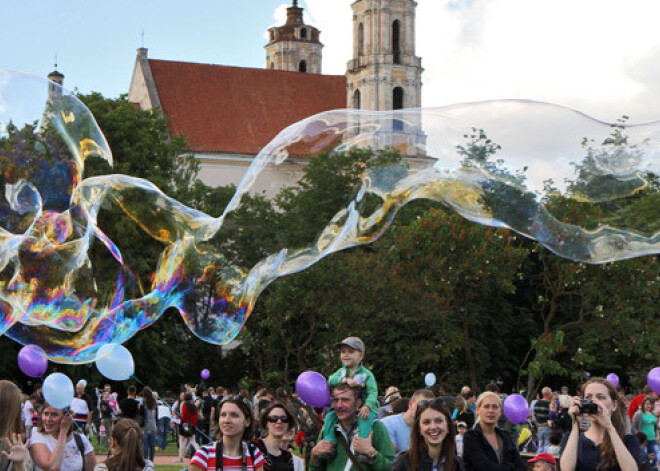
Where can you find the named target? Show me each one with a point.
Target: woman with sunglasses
(234, 449)
(487, 447)
(431, 441)
(276, 421)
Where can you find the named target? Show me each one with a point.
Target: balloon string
(75, 424)
(170, 407)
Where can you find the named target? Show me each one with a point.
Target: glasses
(274, 418)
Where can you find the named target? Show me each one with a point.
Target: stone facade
(384, 73)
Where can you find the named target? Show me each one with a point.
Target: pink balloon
(653, 380)
(516, 409)
(313, 389)
(32, 361)
(613, 379)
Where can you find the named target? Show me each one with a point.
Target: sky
(601, 57)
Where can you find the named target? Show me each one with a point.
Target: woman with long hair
(125, 449)
(149, 410)
(486, 447)
(187, 425)
(645, 421)
(431, 441)
(605, 446)
(276, 421)
(14, 451)
(233, 450)
(54, 446)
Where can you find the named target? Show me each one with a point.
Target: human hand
(574, 410)
(364, 445)
(351, 382)
(17, 449)
(66, 424)
(322, 447)
(364, 412)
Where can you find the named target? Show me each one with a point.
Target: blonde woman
(487, 447)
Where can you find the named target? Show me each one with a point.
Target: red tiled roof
(236, 109)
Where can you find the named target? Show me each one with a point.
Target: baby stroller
(527, 438)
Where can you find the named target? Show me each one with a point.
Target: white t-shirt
(71, 461)
(28, 408)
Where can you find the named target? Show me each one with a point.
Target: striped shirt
(205, 459)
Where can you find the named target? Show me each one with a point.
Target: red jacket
(635, 404)
(187, 416)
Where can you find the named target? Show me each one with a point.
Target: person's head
(131, 391)
(602, 393)
(126, 446)
(465, 390)
(80, 388)
(276, 420)
(10, 405)
(235, 418)
(564, 390)
(641, 438)
(647, 405)
(148, 397)
(471, 397)
(544, 462)
(107, 388)
(432, 428)
(419, 395)
(346, 401)
(400, 405)
(492, 387)
(351, 352)
(461, 404)
(547, 393)
(50, 419)
(621, 391)
(555, 438)
(392, 394)
(461, 427)
(489, 408)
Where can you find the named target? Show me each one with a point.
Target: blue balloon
(115, 362)
(429, 379)
(58, 390)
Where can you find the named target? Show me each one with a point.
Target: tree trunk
(468, 348)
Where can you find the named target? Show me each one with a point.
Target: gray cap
(353, 342)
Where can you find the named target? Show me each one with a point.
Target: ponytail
(127, 435)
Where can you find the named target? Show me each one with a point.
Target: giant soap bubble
(585, 189)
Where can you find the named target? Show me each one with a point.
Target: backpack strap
(81, 448)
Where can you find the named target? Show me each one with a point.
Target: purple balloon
(516, 409)
(205, 374)
(613, 379)
(313, 389)
(653, 380)
(32, 361)
(587, 374)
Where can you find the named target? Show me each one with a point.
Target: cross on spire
(295, 3)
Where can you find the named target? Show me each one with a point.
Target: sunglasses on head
(424, 403)
(236, 398)
(274, 418)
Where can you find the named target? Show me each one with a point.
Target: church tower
(55, 92)
(384, 73)
(294, 46)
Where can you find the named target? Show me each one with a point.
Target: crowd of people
(599, 428)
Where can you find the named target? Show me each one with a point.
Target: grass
(169, 468)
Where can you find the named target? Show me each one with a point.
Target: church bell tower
(294, 46)
(384, 74)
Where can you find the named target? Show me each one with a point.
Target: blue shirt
(399, 431)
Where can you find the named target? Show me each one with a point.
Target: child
(354, 374)
(544, 462)
(462, 428)
(555, 441)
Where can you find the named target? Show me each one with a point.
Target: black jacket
(478, 455)
(402, 463)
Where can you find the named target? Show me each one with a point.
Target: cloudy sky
(601, 57)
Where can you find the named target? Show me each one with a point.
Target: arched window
(303, 33)
(302, 67)
(396, 41)
(397, 104)
(356, 100)
(360, 39)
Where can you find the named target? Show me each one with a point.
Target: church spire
(295, 3)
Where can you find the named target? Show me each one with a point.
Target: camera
(587, 406)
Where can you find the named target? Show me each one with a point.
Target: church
(228, 114)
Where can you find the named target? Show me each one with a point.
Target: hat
(461, 424)
(353, 342)
(547, 457)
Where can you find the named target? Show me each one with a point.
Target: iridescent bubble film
(585, 189)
